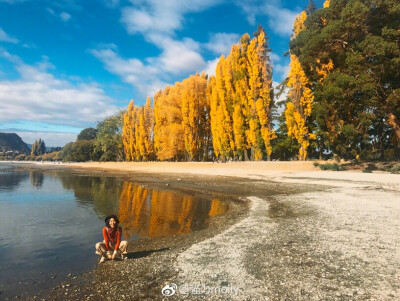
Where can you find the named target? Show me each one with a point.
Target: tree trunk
(246, 155)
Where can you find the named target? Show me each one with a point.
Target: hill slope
(12, 142)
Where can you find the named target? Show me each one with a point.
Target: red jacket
(112, 237)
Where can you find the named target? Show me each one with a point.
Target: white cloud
(144, 77)
(211, 66)
(65, 16)
(280, 20)
(176, 57)
(179, 56)
(40, 96)
(160, 17)
(221, 43)
(274, 57)
(4, 37)
(282, 70)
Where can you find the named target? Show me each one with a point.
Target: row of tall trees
(226, 116)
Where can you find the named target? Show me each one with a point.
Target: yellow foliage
(194, 119)
(168, 131)
(220, 101)
(137, 132)
(259, 95)
(298, 25)
(128, 132)
(300, 93)
(323, 69)
(301, 97)
(298, 129)
(238, 128)
(326, 3)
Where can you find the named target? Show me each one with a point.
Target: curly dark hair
(107, 220)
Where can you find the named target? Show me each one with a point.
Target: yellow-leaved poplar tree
(168, 131)
(148, 125)
(301, 98)
(259, 95)
(221, 120)
(240, 97)
(194, 109)
(128, 136)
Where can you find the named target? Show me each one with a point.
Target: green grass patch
(316, 164)
(367, 171)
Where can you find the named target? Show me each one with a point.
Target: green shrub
(316, 164)
(332, 166)
(20, 157)
(367, 171)
(395, 168)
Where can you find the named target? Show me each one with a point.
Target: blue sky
(67, 64)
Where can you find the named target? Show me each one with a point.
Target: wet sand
(293, 232)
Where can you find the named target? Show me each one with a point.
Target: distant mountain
(12, 142)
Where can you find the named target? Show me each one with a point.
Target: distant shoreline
(281, 171)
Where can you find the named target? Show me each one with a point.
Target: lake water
(50, 222)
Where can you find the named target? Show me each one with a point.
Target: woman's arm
(119, 232)
(105, 236)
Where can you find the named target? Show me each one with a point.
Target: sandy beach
(294, 233)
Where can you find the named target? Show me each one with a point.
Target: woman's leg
(123, 246)
(101, 249)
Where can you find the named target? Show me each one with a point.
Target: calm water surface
(50, 222)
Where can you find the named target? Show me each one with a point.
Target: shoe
(102, 259)
(123, 256)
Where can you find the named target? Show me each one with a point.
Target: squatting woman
(112, 247)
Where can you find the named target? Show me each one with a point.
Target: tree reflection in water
(155, 213)
(143, 212)
(37, 178)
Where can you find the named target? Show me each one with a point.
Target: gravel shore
(287, 236)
